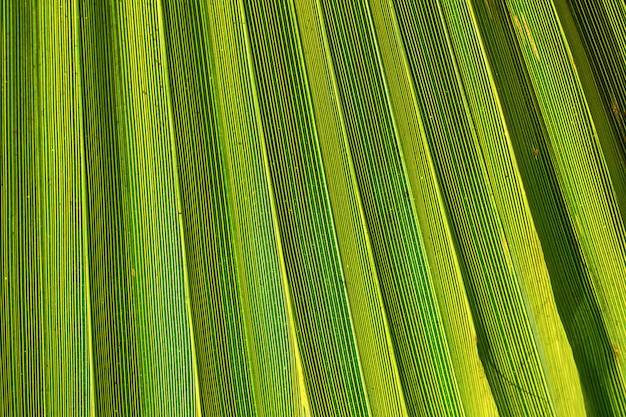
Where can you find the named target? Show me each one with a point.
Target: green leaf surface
(313, 208)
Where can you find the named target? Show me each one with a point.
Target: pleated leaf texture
(313, 208)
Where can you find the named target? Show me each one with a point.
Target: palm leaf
(313, 208)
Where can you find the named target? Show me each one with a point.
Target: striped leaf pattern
(313, 208)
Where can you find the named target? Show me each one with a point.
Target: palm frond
(313, 208)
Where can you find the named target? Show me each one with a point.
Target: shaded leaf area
(313, 208)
